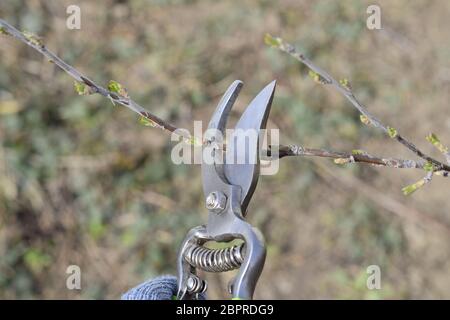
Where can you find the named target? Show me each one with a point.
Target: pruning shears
(229, 178)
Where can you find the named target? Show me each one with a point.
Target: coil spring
(215, 260)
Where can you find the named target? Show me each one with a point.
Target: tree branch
(36, 43)
(356, 156)
(353, 157)
(345, 89)
(121, 97)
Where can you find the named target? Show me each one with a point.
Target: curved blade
(242, 159)
(219, 118)
(216, 128)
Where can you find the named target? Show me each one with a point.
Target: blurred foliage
(82, 183)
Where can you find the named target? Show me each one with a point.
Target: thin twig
(284, 151)
(353, 157)
(38, 45)
(346, 90)
(356, 156)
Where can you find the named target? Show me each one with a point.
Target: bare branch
(37, 44)
(121, 97)
(345, 89)
(350, 157)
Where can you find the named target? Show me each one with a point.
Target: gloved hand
(160, 288)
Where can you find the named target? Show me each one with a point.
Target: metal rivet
(195, 285)
(216, 201)
(191, 283)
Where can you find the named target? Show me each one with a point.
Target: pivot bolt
(216, 201)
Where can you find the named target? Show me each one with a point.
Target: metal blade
(242, 159)
(219, 118)
(211, 171)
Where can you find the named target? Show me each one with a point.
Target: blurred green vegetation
(81, 182)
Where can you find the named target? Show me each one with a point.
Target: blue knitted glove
(160, 288)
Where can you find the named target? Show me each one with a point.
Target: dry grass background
(82, 183)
